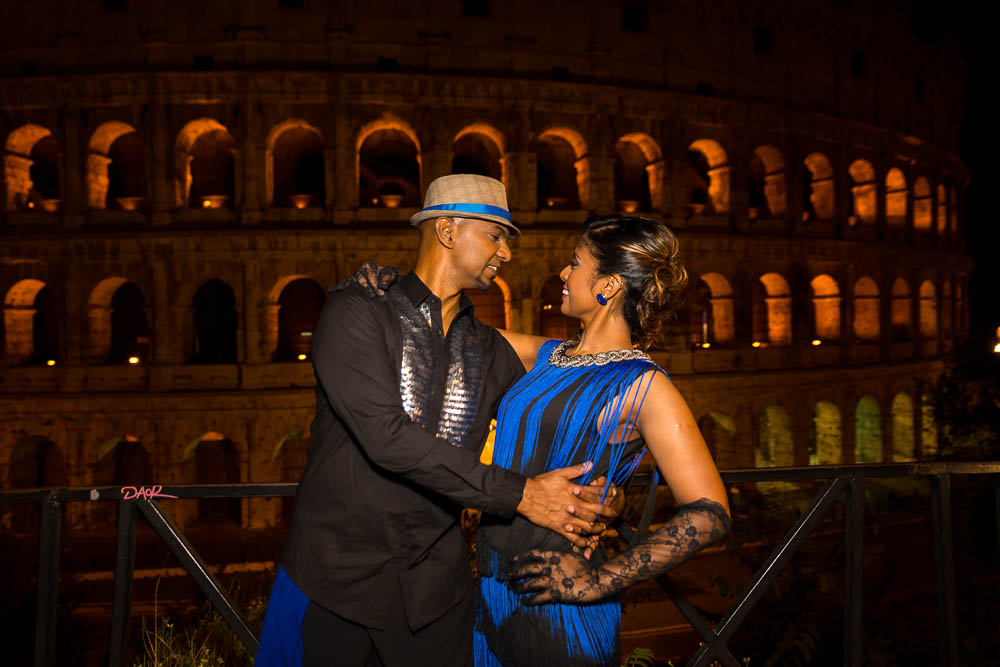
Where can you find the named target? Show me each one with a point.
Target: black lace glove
(566, 577)
(375, 278)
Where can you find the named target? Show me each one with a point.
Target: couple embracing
(374, 571)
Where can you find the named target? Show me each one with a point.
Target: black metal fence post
(944, 569)
(854, 531)
(48, 581)
(121, 605)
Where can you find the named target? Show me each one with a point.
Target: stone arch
(819, 194)
(774, 439)
(903, 441)
(863, 192)
(492, 306)
(896, 196)
(31, 323)
(712, 311)
(294, 305)
(295, 165)
(767, 184)
(31, 169)
(947, 305)
(928, 311)
(35, 463)
(216, 323)
(639, 173)
(388, 163)
(867, 431)
(923, 205)
(719, 431)
(866, 310)
(479, 148)
(942, 209)
(901, 315)
(826, 308)
(952, 212)
(563, 173)
(205, 165)
(120, 461)
(707, 177)
(217, 461)
(119, 330)
(772, 311)
(116, 175)
(825, 440)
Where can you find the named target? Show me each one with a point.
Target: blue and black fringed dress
(552, 418)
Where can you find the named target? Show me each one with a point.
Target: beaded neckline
(558, 356)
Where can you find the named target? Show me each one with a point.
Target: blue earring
(601, 299)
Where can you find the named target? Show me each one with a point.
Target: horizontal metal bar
(261, 490)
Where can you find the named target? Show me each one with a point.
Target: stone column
(161, 200)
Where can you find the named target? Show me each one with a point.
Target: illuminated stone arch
(774, 439)
(819, 194)
(707, 177)
(119, 329)
(942, 209)
(867, 431)
(928, 426)
(923, 205)
(205, 165)
(31, 169)
(825, 439)
(863, 192)
(901, 313)
(903, 442)
(293, 308)
(896, 195)
(719, 431)
(480, 148)
(767, 183)
(928, 311)
(216, 323)
(388, 163)
(866, 310)
(711, 311)
(492, 306)
(552, 322)
(563, 172)
(295, 165)
(826, 308)
(639, 171)
(217, 461)
(116, 176)
(31, 323)
(772, 311)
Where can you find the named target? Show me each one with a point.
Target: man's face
(480, 248)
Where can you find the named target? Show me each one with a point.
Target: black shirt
(379, 500)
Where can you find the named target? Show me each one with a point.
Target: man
(375, 569)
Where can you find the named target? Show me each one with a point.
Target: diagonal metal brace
(708, 636)
(773, 566)
(198, 570)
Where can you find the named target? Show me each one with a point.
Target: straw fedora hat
(466, 196)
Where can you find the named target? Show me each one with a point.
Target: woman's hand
(556, 576)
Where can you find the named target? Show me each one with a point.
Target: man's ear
(444, 229)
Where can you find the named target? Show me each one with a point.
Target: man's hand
(553, 501)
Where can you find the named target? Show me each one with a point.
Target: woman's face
(579, 296)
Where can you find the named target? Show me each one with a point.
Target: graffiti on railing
(144, 492)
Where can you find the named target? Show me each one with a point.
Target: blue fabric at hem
(281, 638)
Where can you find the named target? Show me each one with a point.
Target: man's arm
(361, 384)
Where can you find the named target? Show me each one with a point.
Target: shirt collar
(417, 292)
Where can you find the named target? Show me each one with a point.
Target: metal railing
(849, 480)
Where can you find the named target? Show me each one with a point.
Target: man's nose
(504, 253)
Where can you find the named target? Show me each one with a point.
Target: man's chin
(485, 281)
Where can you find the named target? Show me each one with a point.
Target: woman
(595, 399)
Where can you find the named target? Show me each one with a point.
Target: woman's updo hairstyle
(645, 254)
